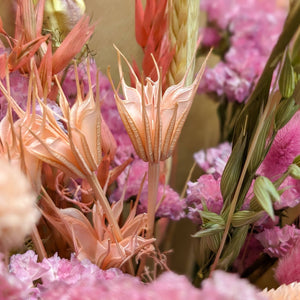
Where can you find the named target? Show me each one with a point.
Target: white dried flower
(18, 213)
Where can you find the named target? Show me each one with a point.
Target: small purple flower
(206, 190)
(253, 28)
(213, 160)
(170, 204)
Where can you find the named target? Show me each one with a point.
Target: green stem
(240, 182)
(153, 178)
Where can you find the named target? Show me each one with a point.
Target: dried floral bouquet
(86, 206)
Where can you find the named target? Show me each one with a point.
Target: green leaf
(266, 193)
(259, 151)
(212, 229)
(297, 160)
(232, 171)
(285, 111)
(213, 241)
(212, 217)
(294, 171)
(245, 217)
(234, 247)
(296, 51)
(287, 78)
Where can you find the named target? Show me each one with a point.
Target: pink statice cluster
(18, 90)
(253, 27)
(213, 160)
(277, 242)
(56, 278)
(228, 286)
(169, 204)
(40, 277)
(205, 192)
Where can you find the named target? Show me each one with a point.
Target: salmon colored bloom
(152, 119)
(97, 241)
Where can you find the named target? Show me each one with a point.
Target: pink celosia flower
(226, 286)
(213, 160)
(288, 269)
(206, 190)
(285, 148)
(278, 241)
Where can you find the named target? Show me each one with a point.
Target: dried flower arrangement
(86, 202)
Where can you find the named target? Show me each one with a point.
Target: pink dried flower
(288, 269)
(11, 288)
(213, 160)
(226, 286)
(172, 286)
(18, 90)
(278, 241)
(253, 27)
(285, 148)
(211, 37)
(53, 270)
(169, 204)
(206, 190)
(291, 196)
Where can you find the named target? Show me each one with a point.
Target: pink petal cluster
(55, 269)
(283, 151)
(170, 204)
(288, 269)
(213, 160)
(278, 241)
(74, 280)
(253, 27)
(226, 286)
(11, 287)
(206, 190)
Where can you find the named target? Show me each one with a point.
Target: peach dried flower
(18, 213)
